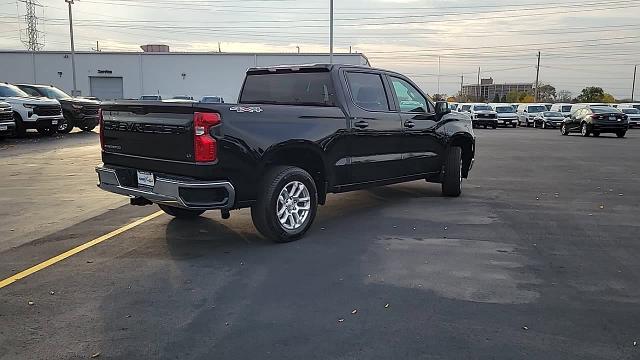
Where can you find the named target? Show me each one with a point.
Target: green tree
(608, 98)
(546, 93)
(591, 94)
(504, 98)
(513, 97)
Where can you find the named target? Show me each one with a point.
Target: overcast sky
(583, 43)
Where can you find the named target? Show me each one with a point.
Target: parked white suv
(563, 108)
(7, 125)
(41, 114)
(528, 112)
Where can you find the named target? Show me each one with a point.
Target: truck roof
(327, 67)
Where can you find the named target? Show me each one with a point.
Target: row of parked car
(552, 115)
(45, 108)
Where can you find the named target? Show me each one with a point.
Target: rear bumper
(188, 194)
(609, 127)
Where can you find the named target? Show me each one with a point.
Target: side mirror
(442, 107)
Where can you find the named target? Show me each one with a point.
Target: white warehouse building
(128, 75)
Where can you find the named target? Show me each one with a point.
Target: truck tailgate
(152, 130)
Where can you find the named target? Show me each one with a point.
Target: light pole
(73, 50)
(633, 87)
(331, 32)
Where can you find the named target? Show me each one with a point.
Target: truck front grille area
(5, 115)
(486, 116)
(47, 110)
(90, 109)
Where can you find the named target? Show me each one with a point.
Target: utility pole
(331, 32)
(73, 50)
(438, 75)
(298, 47)
(97, 49)
(461, 85)
(537, 78)
(32, 36)
(478, 88)
(219, 47)
(633, 87)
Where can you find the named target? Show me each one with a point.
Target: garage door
(106, 88)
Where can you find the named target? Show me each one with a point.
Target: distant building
(488, 90)
(118, 75)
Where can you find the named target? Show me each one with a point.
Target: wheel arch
(467, 143)
(303, 154)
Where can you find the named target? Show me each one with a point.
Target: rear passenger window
(367, 91)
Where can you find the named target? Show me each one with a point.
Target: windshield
(482, 107)
(566, 108)
(604, 110)
(466, 107)
(53, 93)
(631, 111)
(10, 90)
(536, 109)
(504, 109)
(553, 114)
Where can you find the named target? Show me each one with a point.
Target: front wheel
(452, 177)
(180, 213)
(514, 125)
(621, 134)
(21, 129)
(563, 130)
(584, 130)
(287, 204)
(66, 125)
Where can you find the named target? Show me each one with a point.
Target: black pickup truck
(297, 133)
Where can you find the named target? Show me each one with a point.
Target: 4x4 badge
(243, 109)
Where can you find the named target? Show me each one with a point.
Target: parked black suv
(596, 120)
(78, 112)
(298, 133)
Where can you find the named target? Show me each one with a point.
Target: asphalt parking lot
(538, 259)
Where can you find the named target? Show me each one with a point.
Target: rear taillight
(205, 146)
(101, 122)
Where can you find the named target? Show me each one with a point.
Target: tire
(544, 125)
(47, 131)
(21, 130)
(621, 134)
(535, 124)
(66, 125)
(452, 177)
(563, 130)
(584, 130)
(514, 125)
(180, 213)
(494, 126)
(596, 134)
(275, 197)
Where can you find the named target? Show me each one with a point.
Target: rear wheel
(621, 134)
(452, 177)
(181, 213)
(287, 205)
(584, 130)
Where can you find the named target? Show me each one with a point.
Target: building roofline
(65, 52)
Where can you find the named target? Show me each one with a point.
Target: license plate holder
(54, 122)
(612, 118)
(146, 179)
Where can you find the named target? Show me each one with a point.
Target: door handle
(409, 124)
(361, 124)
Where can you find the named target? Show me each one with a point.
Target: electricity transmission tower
(31, 37)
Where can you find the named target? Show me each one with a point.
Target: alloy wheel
(293, 205)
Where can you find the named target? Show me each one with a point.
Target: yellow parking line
(85, 246)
